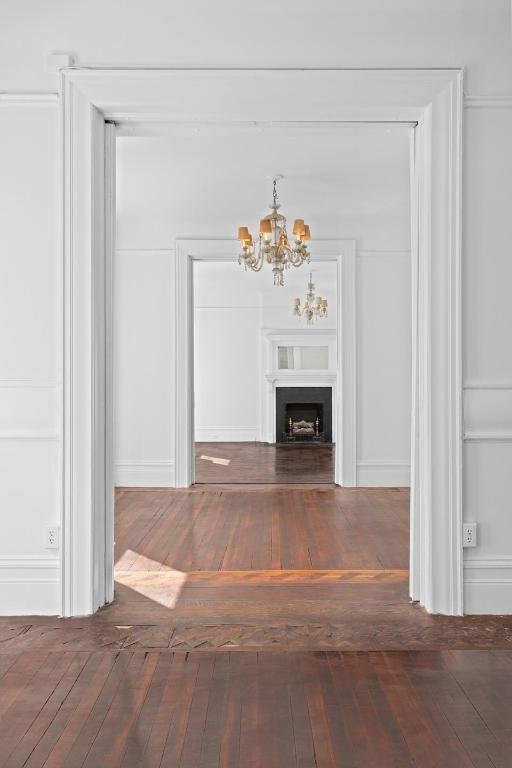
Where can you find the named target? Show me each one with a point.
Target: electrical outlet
(469, 535)
(52, 537)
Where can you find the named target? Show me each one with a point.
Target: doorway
(264, 378)
(433, 99)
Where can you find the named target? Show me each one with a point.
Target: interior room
(357, 180)
(264, 374)
(255, 384)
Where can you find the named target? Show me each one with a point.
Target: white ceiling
(205, 180)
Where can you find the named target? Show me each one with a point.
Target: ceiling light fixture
(314, 306)
(274, 246)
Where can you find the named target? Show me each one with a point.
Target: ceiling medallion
(314, 306)
(274, 246)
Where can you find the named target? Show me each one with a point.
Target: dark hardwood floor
(264, 627)
(264, 463)
(139, 709)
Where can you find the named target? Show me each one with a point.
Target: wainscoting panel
(29, 585)
(488, 566)
(488, 585)
(488, 411)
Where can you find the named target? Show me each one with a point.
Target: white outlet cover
(469, 535)
(52, 537)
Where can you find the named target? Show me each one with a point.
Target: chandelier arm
(298, 258)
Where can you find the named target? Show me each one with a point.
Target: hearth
(303, 415)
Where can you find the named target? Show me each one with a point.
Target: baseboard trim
(145, 474)
(488, 585)
(383, 474)
(29, 585)
(227, 434)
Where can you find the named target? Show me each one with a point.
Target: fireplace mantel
(274, 377)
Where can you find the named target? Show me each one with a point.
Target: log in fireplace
(303, 415)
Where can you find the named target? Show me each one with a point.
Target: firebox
(303, 415)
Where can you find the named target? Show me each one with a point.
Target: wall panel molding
(488, 102)
(35, 99)
(488, 585)
(28, 434)
(29, 585)
(480, 436)
(487, 384)
(388, 253)
(488, 411)
(29, 383)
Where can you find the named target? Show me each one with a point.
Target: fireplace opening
(303, 415)
(304, 421)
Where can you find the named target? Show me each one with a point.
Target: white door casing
(343, 252)
(92, 97)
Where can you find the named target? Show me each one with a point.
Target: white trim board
(383, 474)
(227, 434)
(432, 98)
(157, 473)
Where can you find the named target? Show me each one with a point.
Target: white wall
(368, 33)
(29, 358)
(227, 374)
(143, 368)
(383, 348)
(487, 360)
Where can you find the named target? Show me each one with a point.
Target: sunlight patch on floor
(216, 460)
(134, 561)
(153, 580)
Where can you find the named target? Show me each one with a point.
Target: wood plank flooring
(258, 628)
(268, 528)
(264, 463)
(240, 710)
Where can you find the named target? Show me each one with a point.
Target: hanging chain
(275, 191)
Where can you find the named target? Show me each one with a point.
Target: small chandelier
(274, 246)
(314, 306)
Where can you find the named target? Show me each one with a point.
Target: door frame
(90, 99)
(343, 253)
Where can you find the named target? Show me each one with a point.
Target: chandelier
(273, 244)
(314, 306)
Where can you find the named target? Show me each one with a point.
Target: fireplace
(303, 415)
